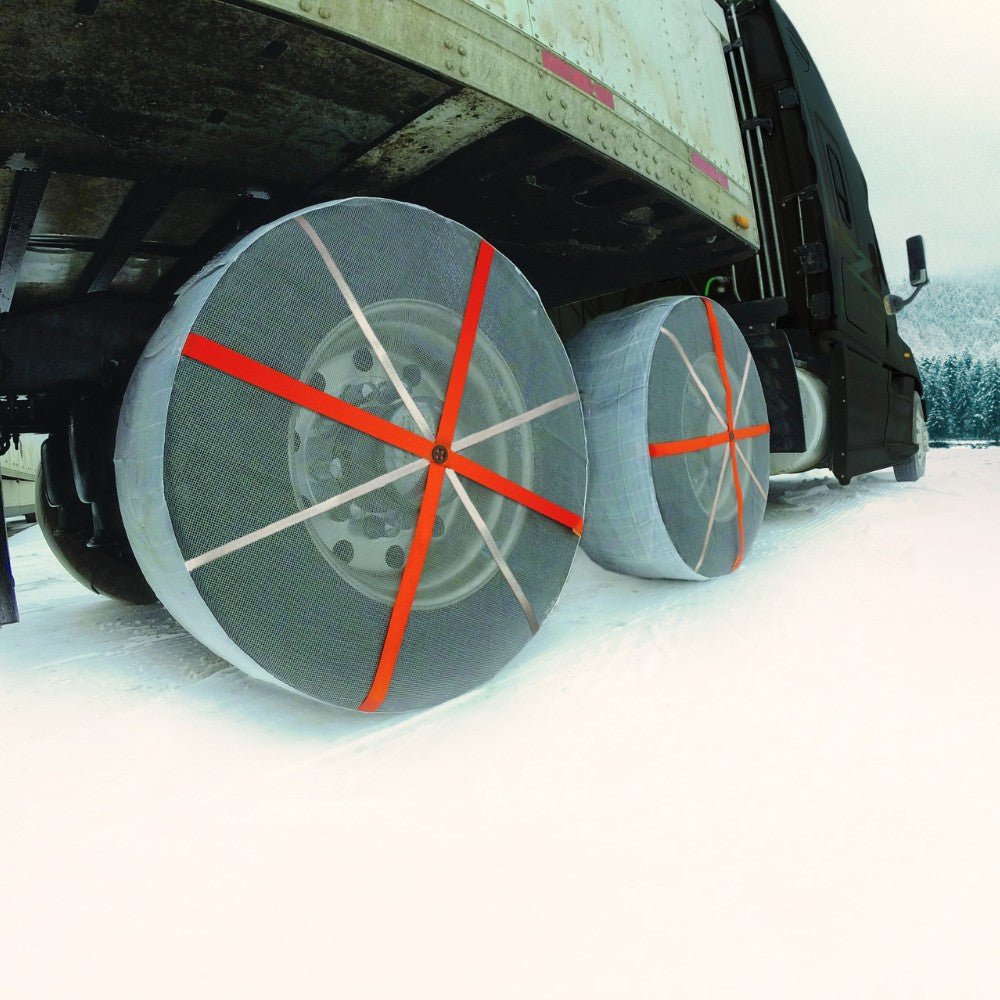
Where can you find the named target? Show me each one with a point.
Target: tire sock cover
(678, 439)
(351, 460)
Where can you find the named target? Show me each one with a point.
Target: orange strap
(407, 592)
(239, 366)
(720, 357)
(466, 341)
(711, 441)
(512, 491)
(424, 531)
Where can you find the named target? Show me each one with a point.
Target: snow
(953, 315)
(780, 784)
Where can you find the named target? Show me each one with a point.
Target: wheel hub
(698, 420)
(367, 539)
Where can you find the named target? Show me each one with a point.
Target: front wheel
(106, 571)
(914, 467)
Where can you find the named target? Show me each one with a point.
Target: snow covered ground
(781, 784)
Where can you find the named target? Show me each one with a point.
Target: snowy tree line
(963, 396)
(954, 330)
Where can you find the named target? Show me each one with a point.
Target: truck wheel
(914, 467)
(678, 439)
(352, 458)
(104, 571)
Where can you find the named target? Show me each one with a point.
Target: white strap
(743, 388)
(491, 544)
(366, 328)
(694, 375)
(304, 515)
(513, 422)
(756, 481)
(715, 510)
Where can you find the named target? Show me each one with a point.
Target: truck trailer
(19, 472)
(345, 323)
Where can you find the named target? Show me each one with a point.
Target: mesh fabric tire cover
(204, 458)
(675, 516)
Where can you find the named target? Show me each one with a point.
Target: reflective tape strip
(508, 425)
(579, 79)
(305, 515)
(694, 375)
(512, 491)
(239, 366)
(490, 542)
(366, 328)
(466, 342)
(712, 516)
(400, 617)
(710, 170)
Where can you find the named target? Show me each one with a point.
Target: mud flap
(859, 401)
(8, 600)
(776, 366)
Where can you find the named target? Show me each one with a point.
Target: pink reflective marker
(709, 170)
(578, 78)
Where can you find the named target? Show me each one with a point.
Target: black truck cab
(840, 318)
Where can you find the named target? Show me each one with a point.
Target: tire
(284, 488)
(914, 467)
(672, 493)
(104, 571)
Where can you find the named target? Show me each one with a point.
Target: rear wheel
(914, 467)
(678, 438)
(109, 572)
(352, 461)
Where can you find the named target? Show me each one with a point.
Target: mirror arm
(895, 304)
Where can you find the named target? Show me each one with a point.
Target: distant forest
(954, 330)
(963, 396)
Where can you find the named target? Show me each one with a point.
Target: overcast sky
(918, 88)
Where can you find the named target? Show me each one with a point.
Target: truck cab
(837, 314)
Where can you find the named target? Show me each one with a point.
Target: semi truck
(344, 322)
(19, 471)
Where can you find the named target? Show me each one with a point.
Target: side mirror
(918, 262)
(894, 304)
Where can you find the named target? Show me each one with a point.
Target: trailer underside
(140, 139)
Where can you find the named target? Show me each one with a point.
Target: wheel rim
(366, 542)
